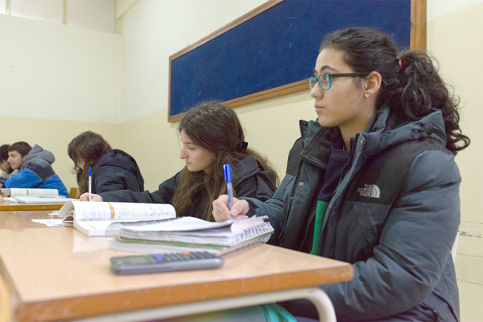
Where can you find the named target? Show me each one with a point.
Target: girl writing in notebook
(211, 136)
(112, 169)
(374, 182)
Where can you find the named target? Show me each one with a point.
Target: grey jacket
(394, 216)
(37, 172)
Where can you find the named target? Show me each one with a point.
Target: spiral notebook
(189, 234)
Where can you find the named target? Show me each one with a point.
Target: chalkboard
(271, 51)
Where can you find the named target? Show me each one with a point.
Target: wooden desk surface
(58, 273)
(22, 219)
(7, 206)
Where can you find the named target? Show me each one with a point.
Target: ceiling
(99, 15)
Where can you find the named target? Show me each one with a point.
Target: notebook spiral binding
(113, 229)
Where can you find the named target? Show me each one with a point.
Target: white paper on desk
(180, 224)
(8, 199)
(190, 224)
(49, 222)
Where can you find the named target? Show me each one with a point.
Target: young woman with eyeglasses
(211, 136)
(374, 182)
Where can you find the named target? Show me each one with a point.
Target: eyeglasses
(325, 80)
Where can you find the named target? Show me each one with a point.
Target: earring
(366, 95)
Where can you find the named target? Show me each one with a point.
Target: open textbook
(189, 234)
(33, 196)
(92, 218)
(33, 192)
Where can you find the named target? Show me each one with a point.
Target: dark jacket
(394, 216)
(116, 170)
(37, 172)
(249, 181)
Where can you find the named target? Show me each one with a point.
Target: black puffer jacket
(394, 215)
(249, 180)
(116, 170)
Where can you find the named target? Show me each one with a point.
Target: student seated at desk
(35, 170)
(211, 136)
(7, 170)
(112, 169)
(374, 182)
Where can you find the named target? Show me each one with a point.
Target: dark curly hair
(411, 85)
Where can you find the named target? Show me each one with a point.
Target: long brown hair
(411, 85)
(216, 128)
(90, 147)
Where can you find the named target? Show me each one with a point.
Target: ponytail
(419, 89)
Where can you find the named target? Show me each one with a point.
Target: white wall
(441, 8)
(50, 71)
(56, 82)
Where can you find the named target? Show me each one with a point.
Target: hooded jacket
(249, 181)
(394, 216)
(5, 175)
(116, 170)
(37, 172)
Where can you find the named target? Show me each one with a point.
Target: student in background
(374, 183)
(35, 169)
(7, 170)
(211, 136)
(112, 169)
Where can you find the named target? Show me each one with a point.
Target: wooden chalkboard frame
(417, 41)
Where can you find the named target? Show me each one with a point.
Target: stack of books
(154, 228)
(189, 234)
(33, 196)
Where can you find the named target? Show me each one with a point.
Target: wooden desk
(7, 206)
(21, 220)
(57, 273)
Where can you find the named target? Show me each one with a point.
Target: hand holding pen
(237, 209)
(221, 212)
(229, 184)
(90, 184)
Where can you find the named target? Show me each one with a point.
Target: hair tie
(400, 62)
(242, 147)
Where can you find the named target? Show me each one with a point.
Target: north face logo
(370, 190)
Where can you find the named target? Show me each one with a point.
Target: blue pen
(90, 183)
(229, 186)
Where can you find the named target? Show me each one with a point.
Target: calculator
(156, 263)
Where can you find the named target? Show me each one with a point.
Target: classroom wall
(50, 71)
(57, 81)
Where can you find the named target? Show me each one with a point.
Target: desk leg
(321, 301)
(6, 313)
